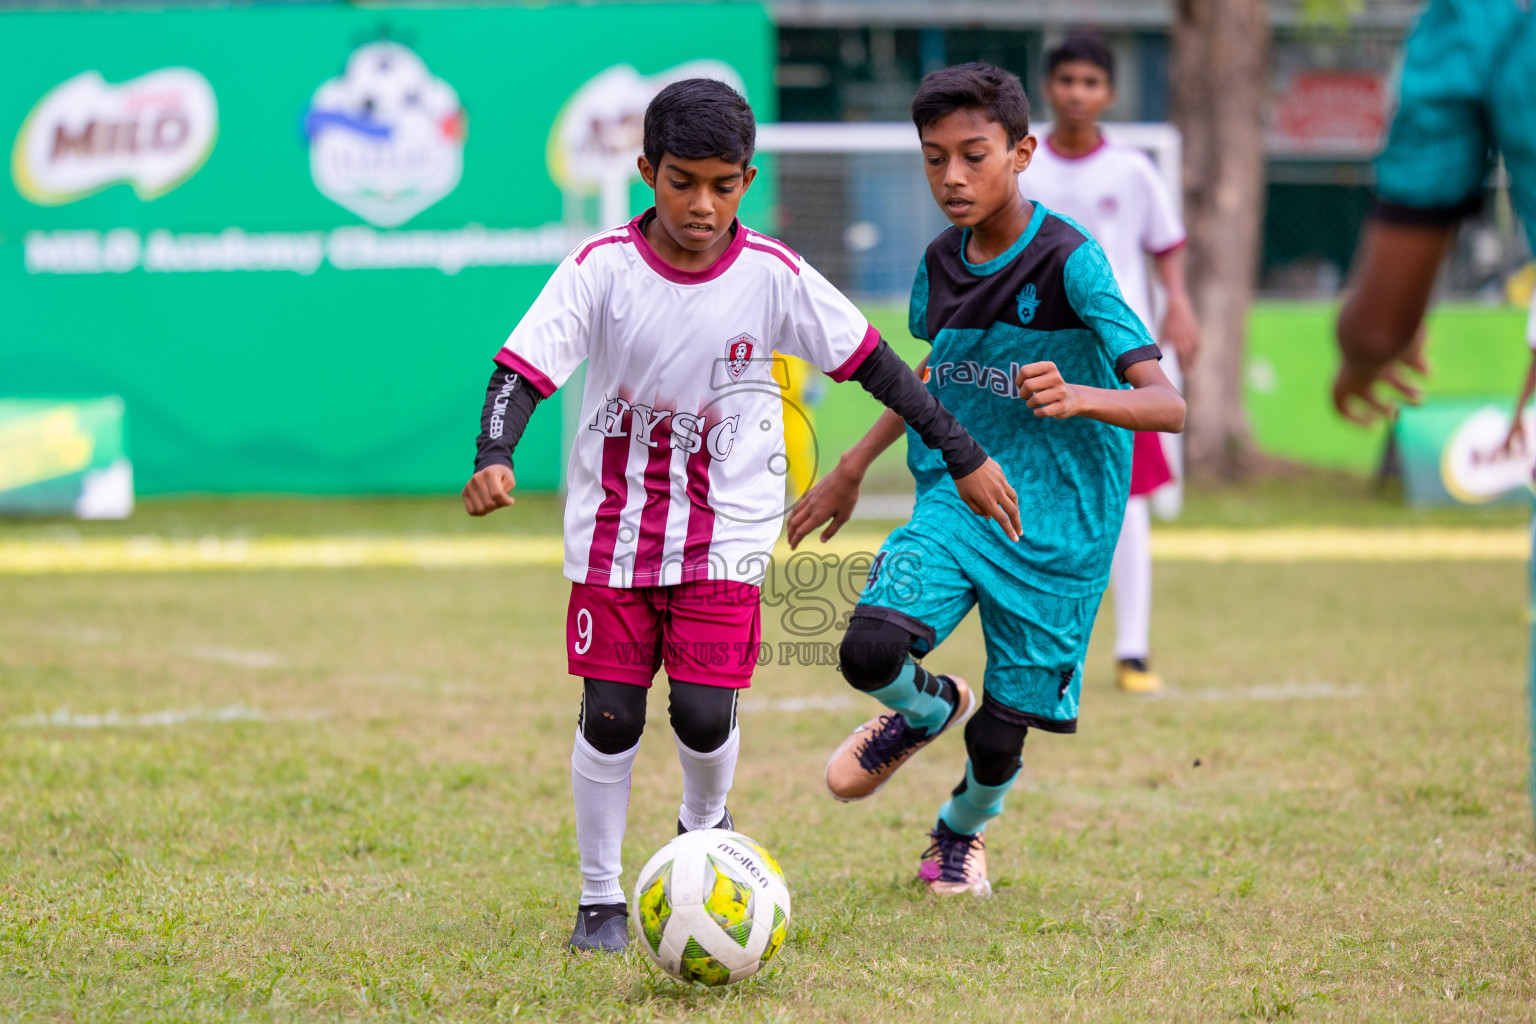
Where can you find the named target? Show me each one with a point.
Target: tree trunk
(1220, 72)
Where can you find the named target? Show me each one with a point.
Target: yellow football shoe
(1133, 676)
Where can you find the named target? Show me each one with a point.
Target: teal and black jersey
(1468, 91)
(1051, 296)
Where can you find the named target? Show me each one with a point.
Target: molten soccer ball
(711, 907)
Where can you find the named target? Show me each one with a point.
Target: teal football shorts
(926, 578)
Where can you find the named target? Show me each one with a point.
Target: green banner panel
(63, 457)
(1291, 360)
(291, 238)
(1451, 451)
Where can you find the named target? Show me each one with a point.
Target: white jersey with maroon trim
(1115, 193)
(678, 468)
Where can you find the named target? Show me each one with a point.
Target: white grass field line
(80, 634)
(64, 718)
(234, 656)
(1282, 691)
(161, 554)
(1279, 692)
(221, 655)
(792, 705)
(213, 554)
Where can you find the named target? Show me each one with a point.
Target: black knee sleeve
(872, 652)
(994, 747)
(702, 716)
(612, 715)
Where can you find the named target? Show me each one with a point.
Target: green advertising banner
(64, 458)
(292, 237)
(1291, 357)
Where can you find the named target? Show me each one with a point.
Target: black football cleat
(603, 927)
(725, 822)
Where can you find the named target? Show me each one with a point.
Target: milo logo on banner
(152, 132)
(386, 138)
(1453, 450)
(1474, 465)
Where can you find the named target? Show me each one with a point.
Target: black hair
(977, 86)
(1088, 47)
(698, 118)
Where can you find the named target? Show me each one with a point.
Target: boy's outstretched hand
(832, 498)
(986, 492)
(488, 490)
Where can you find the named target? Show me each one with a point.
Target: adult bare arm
(1379, 328)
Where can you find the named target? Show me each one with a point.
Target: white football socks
(706, 781)
(600, 785)
(1130, 577)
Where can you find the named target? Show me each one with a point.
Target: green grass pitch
(344, 795)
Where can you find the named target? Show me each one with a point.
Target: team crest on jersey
(1029, 301)
(738, 355)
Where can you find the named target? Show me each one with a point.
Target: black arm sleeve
(884, 375)
(509, 402)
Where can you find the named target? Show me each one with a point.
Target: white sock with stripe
(600, 786)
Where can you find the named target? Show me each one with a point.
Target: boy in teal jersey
(1032, 347)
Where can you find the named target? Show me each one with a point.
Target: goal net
(853, 200)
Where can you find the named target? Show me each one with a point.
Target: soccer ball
(711, 907)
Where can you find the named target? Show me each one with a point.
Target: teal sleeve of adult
(1097, 301)
(509, 404)
(1438, 149)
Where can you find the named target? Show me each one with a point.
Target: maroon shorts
(1149, 466)
(705, 631)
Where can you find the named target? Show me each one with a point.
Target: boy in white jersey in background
(1116, 194)
(676, 481)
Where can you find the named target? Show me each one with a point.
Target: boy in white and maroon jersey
(1115, 193)
(676, 480)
